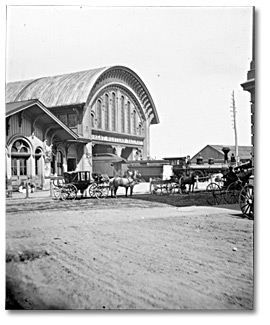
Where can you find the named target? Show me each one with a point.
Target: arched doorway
(20, 162)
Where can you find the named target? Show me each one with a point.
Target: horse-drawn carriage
(233, 192)
(72, 183)
(98, 186)
(174, 185)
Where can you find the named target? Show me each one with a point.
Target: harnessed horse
(129, 181)
(187, 180)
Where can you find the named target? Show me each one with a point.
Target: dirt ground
(127, 253)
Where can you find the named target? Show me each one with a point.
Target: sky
(191, 59)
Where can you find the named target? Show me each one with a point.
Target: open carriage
(231, 193)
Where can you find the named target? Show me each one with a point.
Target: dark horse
(129, 181)
(187, 180)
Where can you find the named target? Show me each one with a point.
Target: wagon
(69, 186)
(160, 187)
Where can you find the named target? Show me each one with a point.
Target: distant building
(76, 121)
(215, 152)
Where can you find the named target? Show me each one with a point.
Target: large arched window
(140, 129)
(20, 152)
(122, 114)
(92, 120)
(107, 121)
(128, 118)
(134, 122)
(99, 114)
(113, 112)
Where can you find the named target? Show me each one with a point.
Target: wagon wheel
(68, 192)
(56, 192)
(101, 192)
(105, 191)
(213, 194)
(159, 189)
(246, 200)
(174, 188)
(233, 192)
(72, 191)
(92, 190)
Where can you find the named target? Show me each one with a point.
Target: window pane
(122, 115)
(99, 114)
(134, 122)
(106, 112)
(92, 121)
(14, 171)
(23, 167)
(128, 117)
(72, 120)
(63, 118)
(113, 112)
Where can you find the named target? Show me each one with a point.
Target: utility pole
(234, 127)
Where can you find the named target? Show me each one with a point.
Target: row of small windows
(128, 118)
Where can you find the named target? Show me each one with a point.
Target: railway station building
(89, 120)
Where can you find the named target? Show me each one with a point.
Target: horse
(129, 181)
(187, 180)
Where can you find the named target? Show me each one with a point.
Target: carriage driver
(230, 177)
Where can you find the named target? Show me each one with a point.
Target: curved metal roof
(75, 88)
(67, 89)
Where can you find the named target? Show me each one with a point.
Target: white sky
(190, 58)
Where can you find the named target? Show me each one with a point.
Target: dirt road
(127, 254)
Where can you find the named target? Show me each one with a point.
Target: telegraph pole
(234, 127)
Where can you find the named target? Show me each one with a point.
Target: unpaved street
(127, 254)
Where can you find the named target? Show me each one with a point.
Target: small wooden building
(215, 152)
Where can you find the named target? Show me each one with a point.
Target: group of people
(228, 178)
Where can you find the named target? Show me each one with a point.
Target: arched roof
(77, 87)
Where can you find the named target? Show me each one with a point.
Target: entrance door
(71, 164)
(18, 171)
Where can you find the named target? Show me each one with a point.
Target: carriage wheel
(173, 188)
(213, 194)
(246, 200)
(101, 192)
(68, 192)
(72, 191)
(233, 192)
(92, 190)
(157, 189)
(56, 193)
(105, 191)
